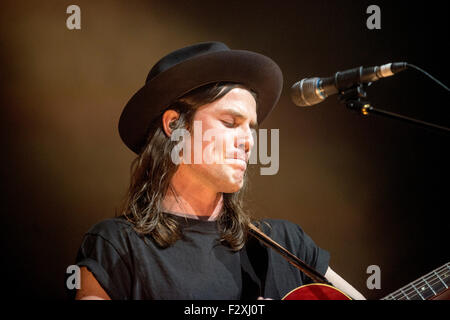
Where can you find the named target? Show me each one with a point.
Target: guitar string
(414, 291)
(415, 288)
(400, 293)
(410, 293)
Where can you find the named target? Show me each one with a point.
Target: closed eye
(228, 124)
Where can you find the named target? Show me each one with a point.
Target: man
(183, 232)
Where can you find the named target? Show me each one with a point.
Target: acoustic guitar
(432, 286)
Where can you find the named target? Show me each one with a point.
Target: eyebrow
(237, 114)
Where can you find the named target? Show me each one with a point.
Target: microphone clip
(355, 98)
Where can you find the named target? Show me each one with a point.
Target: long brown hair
(153, 169)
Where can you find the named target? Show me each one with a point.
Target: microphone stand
(354, 100)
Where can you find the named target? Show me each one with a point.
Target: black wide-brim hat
(189, 68)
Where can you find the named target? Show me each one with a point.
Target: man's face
(226, 142)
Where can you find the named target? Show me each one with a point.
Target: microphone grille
(306, 92)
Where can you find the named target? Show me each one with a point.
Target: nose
(244, 141)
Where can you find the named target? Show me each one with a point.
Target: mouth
(237, 155)
(239, 162)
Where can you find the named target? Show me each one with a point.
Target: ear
(168, 119)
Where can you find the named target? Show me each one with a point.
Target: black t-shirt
(198, 266)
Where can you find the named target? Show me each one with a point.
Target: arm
(338, 282)
(90, 288)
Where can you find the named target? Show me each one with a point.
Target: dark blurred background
(372, 191)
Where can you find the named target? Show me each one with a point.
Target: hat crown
(184, 54)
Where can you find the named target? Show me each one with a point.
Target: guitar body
(316, 291)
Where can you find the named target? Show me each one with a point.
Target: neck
(187, 197)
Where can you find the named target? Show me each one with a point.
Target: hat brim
(253, 70)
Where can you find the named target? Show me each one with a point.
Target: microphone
(311, 91)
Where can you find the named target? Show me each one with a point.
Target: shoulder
(110, 227)
(283, 231)
(280, 227)
(293, 238)
(117, 232)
